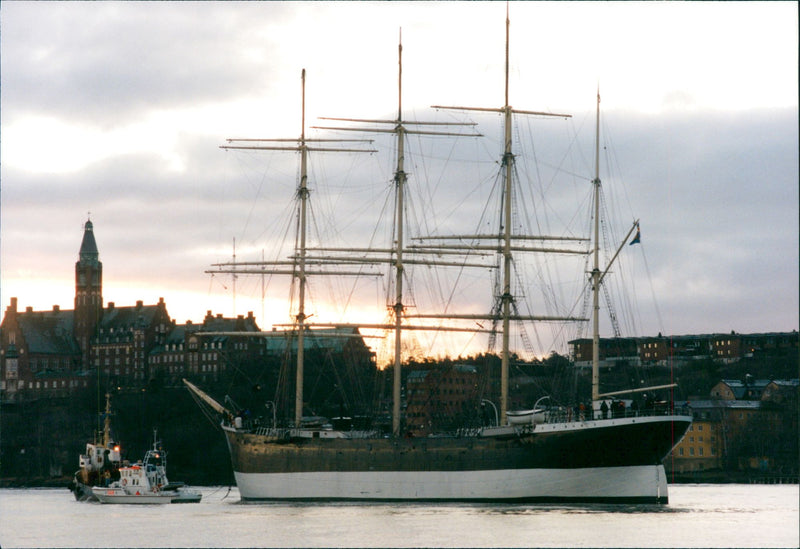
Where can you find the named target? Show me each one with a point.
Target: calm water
(698, 516)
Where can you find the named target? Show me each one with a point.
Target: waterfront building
(54, 352)
(742, 426)
(677, 350)
(436, 395)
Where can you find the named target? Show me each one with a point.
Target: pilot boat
(146, 482)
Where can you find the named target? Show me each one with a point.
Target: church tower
(88, 291)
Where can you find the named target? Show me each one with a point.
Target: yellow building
(701, 448)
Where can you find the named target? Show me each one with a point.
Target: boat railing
(285, 433)
(568, 415)
(561, 414)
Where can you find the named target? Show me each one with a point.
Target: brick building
(663, 350)
(50, 353)
(437, 396)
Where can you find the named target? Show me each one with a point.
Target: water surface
(731, 515)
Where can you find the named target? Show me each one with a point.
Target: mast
(598, 276)
(506, 297)
(400, 180)
(301, 262)
(399, 127)
(596, 266)
(507, 163)
(298, 261)
(107, 422)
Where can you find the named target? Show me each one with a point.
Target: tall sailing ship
(541, 454)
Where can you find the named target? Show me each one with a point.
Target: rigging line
(619, 281)
(372, 238)
(421, 167)
(268, 168)
(612, 161)
(537, 218)
(432, 190)
(544, 188)
(253, 203)
(652, 290)
(543, 264)
(633, 315)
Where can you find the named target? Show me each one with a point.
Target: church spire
(88, 291)
(89, 254)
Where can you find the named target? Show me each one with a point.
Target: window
(699, 427)
(691, 450)
(700, 450)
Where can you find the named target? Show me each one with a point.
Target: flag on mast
(638, 238)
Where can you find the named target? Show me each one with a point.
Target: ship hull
(617, 460)
(83, 492)
(636, 484)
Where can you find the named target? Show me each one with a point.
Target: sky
(115, 112)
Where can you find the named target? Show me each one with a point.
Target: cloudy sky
(116, 111)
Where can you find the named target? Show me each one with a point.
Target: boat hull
(122, 496)
(615, 460)
(636, 484)
(82, 492)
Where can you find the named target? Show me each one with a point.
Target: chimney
(110, 305)
(28, 309)
(56, 308)
(13, 306)
(139, 304)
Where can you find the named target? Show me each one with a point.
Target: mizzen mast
(597, 277)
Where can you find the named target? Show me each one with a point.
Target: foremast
(298, 262)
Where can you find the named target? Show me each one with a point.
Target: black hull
(597, 444)
(81, 491)
(608, 461)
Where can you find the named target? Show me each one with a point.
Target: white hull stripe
(588, 484)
